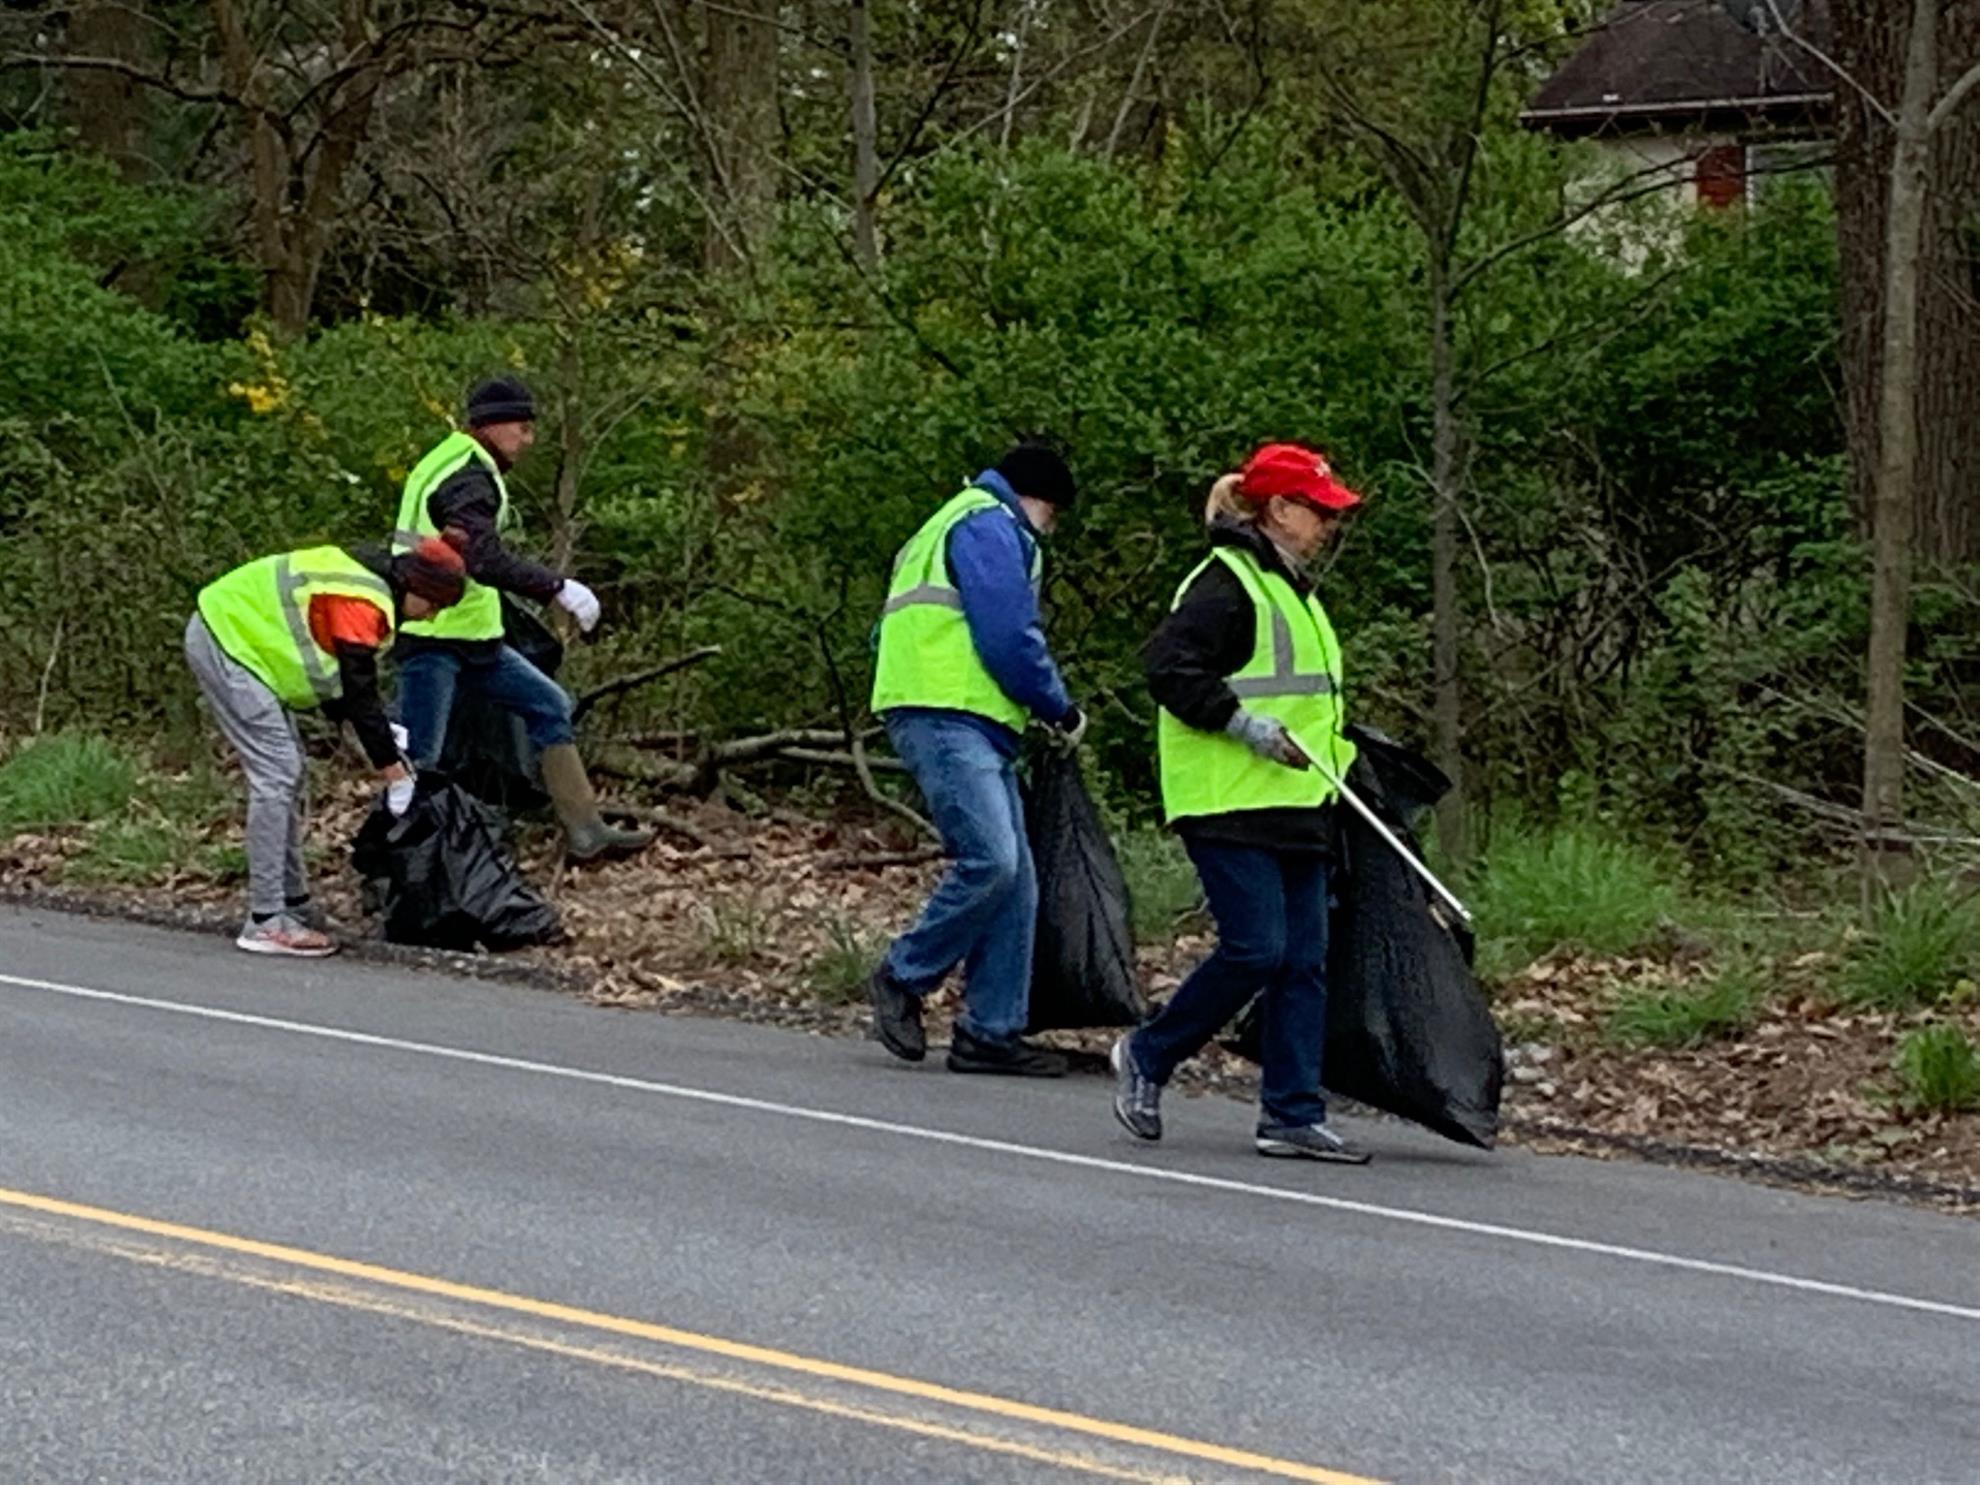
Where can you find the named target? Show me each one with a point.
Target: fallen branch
(675, 825)
(807, 737)
(678, 778)
(873, 793)
(853, 861)
(769, 745)
(638, 678)
(842, 760)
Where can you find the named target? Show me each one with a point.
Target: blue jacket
(989, 561)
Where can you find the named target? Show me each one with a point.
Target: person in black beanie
(459, 485)
(963, 665)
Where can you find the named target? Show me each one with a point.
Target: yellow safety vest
(259, 614)
(1294, 674)
(927, 658)
(479, 613)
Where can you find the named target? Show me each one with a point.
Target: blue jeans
(429, 676)
(984, 913)
(1271, 912)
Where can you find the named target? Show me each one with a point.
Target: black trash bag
(1082, 966)
(488, 751)
(440, 876)
(1408, 1030)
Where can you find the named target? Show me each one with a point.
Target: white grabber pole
(1361, 807)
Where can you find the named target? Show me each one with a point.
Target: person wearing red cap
(1247, 673)
(296, 632)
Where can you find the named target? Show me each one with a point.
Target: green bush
(1940, 1068)
(1922, 941)
(1162, 885)
(1578, 886)
(64, 779)
(1688, 1018)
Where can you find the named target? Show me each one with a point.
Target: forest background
(784, 277)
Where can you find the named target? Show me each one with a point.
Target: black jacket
(468, 499)
(357, 668)
(1207, 638)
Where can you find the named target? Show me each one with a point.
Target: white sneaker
(282, 934)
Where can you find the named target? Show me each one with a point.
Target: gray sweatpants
(264, 734)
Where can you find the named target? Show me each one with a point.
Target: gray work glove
(1267, 737)
(1069, 731)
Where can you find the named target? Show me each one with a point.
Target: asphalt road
(271, 1221)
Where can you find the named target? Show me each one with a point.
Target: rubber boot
(589, 837)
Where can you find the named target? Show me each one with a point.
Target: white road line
(1409, 1215)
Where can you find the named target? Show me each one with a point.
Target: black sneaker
(1015, 1058)
(896, 1017)
(1137, 1097)
(1308, 1142)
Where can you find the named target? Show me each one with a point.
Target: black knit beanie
(501, 400)
(1035, 469)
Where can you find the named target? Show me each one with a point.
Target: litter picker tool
(1361, 807)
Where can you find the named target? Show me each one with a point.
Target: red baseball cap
(1298, 474)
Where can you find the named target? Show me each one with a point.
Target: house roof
(1655, 64)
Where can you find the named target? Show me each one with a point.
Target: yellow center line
(330, 1292)
(980, 1403)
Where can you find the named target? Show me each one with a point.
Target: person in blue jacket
(963, 666)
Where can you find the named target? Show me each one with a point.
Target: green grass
(1162, 885)
(1573, 887)
(1941, 1070)
(64, 779)
(735, 932)
(131, 851)
(1921, 943)
(1689, 1018)
(839, 974)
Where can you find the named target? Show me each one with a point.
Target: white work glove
(580, 603)
(1267, 737)
(399, 796)
(401, 739)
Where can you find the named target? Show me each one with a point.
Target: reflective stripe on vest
(927, 657)
(1293, 675)
(259, 615)
(479, 613)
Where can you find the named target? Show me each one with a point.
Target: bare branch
(1054, 71)
(1954, 96)
(640, 678)
(1617, 193)
(1841, 72)
(1134, 81)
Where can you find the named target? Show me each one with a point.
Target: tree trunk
(1893, 510)
(1446, 452)
(739, 94)
(865, 137)
(108, 108)
(1871, 38)
(297, 191)
(267, 162)
(571, 447)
